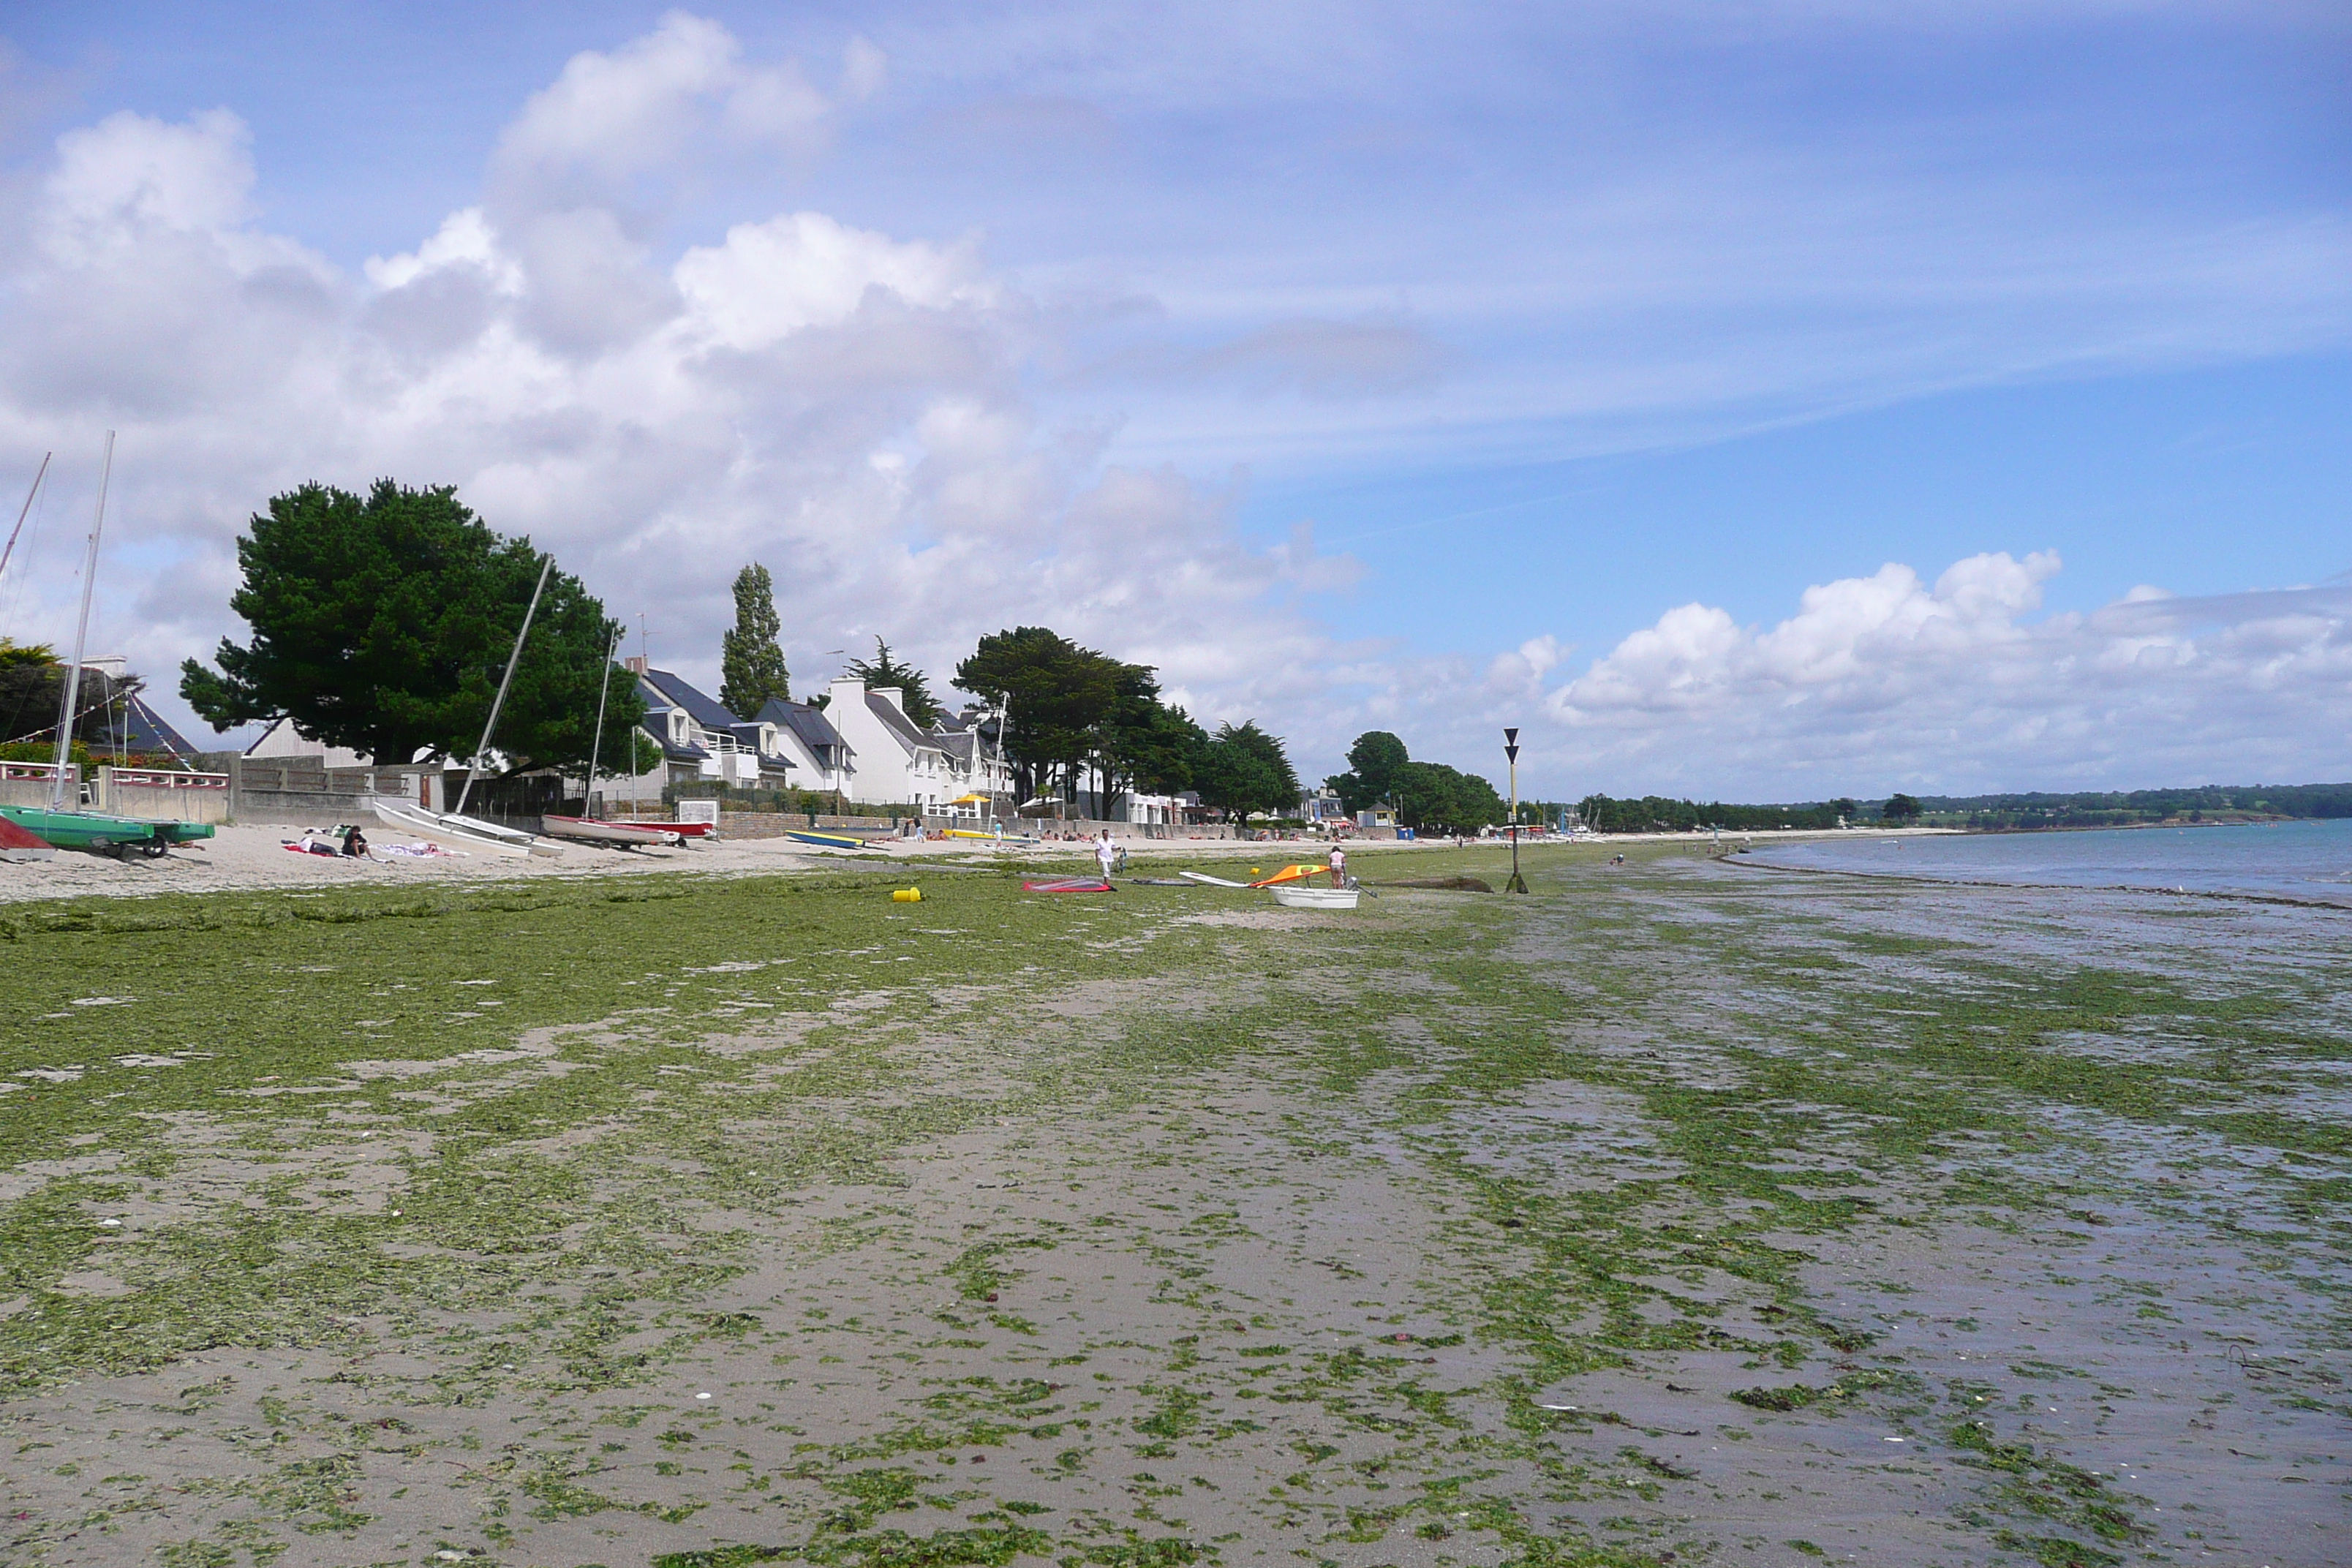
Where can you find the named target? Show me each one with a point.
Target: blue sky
(1548, 324)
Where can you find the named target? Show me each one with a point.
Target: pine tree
(751, 666)
(914, 687)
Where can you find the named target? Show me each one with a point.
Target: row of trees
(1426, 796)
(1075, 712)
(383, 623)
(1656, 813)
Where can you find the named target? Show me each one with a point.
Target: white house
(897, 764)
(814, 749)
(974, 766)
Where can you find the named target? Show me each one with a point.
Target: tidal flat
(1678, 1212)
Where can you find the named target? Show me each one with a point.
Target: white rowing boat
(465, 832)
(1297, 897)
(590, 830)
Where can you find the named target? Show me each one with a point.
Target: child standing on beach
(1339, 866)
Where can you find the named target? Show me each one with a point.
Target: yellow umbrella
(969, 800)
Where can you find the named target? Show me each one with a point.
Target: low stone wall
(296, 792)
(1074, 828)
(161, 795)
(30, 783)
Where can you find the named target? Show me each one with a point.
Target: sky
(1750, 401)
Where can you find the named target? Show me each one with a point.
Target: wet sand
(1678, 1214)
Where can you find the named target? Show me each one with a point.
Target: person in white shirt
(1106, 854)
(1338, 866)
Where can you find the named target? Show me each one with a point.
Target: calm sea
(2294, 859)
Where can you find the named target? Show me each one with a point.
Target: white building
(974, 766)
(897, 763)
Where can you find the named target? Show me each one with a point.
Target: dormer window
(676, 727)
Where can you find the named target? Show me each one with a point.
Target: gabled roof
(901, 728)
(147, 732)
(803, 721)
(702, 709)
(956, 743)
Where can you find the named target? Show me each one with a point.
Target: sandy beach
(243, 858)
(1677, 1212)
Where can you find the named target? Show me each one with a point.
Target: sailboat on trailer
(59, 825)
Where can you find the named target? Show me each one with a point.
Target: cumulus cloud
(839, 403)
(859, 410)
(1885, 679)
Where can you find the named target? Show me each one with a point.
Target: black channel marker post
(1518, 884)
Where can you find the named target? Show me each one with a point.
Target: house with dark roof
(897, 761)
(814, 748)
(701, 742)
(975, 765)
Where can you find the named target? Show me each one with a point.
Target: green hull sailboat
(56, 826)
(108, 835)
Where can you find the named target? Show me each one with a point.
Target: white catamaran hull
(463, 832)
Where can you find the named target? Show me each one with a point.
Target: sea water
(2288, 859)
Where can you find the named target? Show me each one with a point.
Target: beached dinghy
(462, 832)
(826, 840)
(620, 835)
(16, 844)
(1298, 898)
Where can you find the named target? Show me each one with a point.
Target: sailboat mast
(504, 681)
(24, 511)
(596, 746)
(72, 693)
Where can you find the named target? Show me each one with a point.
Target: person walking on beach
(1106, 854)
(1339, 866)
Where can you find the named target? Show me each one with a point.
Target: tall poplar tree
(751, 664)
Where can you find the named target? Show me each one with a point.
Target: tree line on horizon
(383, 622)
(1425, 796)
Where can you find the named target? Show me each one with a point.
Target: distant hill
(2088, 808)
(2095, 808)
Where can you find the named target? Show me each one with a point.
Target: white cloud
(857, 409)
(800, 270)
(841, 404)
(612, 116)
(1883, 680)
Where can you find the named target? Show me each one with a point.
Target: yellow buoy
(907, 895)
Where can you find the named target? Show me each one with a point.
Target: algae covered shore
(1677, 1212)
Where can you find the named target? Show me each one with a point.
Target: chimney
(890, 694)
(634, 665)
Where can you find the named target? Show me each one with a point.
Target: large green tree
(914, 686)
(751, 663)
(1060, 695)
(383, 623)
(1375, 764)
(1245, 771)
(1439, 798)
